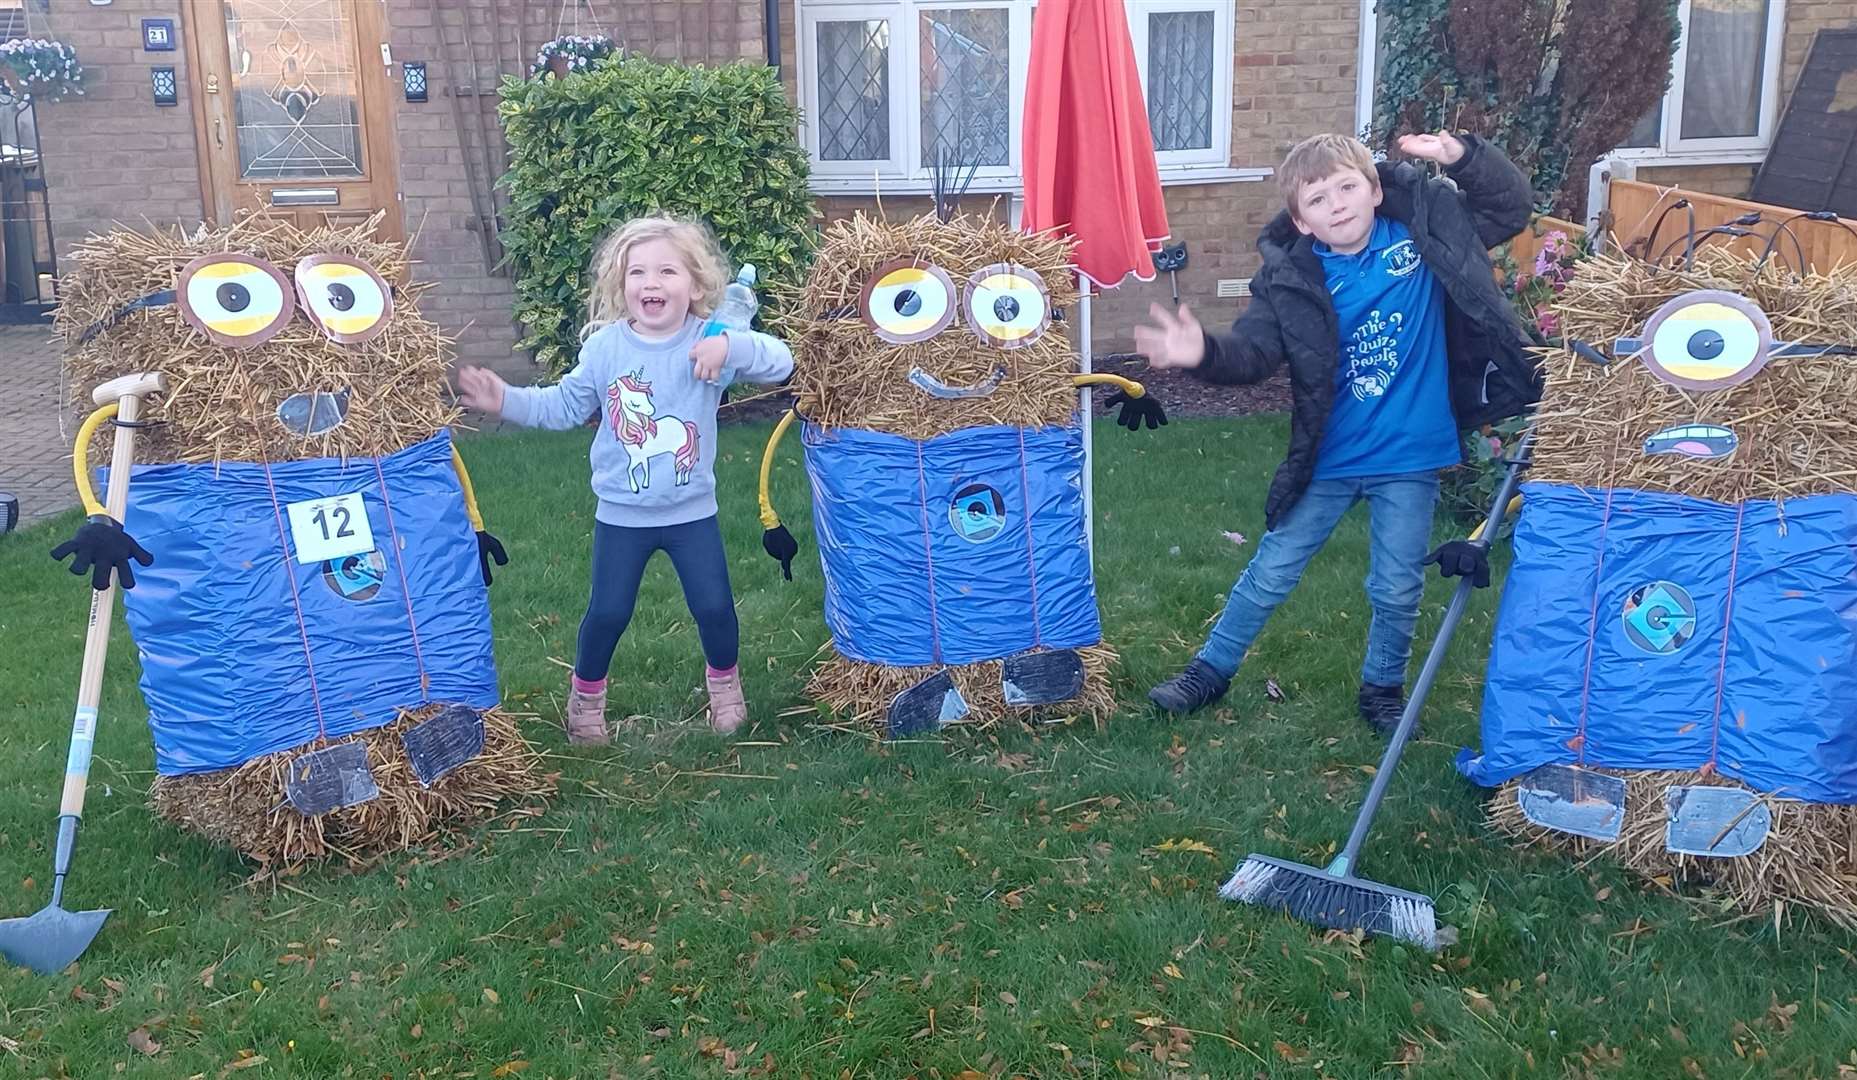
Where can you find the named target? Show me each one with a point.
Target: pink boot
(727, 708)
(586, 712)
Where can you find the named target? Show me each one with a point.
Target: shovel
(1574, 800)
(1723, 822)
(54, 938)
(929, 705)
(436, 746)
(1044, 677)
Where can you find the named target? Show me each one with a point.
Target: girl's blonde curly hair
(694, 243)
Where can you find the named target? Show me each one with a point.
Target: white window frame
(1220, 152)
(901, 174)
(1671, 149)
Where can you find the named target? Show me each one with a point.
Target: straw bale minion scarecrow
(311, 605)
(939, 422)
(1674, 669)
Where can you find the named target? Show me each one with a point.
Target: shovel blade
(330, 779)
(1573, 800)
(436, 746)
(929, 705)
(51, 940)
(1044, 677)
(1722, 822)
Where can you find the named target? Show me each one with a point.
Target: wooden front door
(291, 100)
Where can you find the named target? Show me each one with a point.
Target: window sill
(1180, 176)
(1658, 159)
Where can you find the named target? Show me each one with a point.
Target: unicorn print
(645, 435)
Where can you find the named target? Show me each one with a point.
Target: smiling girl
(656, 382)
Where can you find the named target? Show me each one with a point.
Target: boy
(1376, 288)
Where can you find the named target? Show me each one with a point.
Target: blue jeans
(1399, 533)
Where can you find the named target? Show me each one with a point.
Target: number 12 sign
(330, 528)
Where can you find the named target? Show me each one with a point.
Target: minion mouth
(1692, 440)
(313, 414)
(934, 387)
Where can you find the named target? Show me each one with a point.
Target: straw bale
(845, 376)
(221, 402)
(862, 692)
(1809, 857)
(1796, 420)
(245, 807)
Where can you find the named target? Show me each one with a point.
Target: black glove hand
(1137, 409)
(779, 543)
(1462, 558)
(489, 547)
(101, 545)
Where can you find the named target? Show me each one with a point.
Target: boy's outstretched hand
(1443, 148)
(481, 389)
(1173, 341)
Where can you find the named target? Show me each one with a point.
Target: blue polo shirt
(1392, 411)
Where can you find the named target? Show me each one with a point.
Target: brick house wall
(112, 155)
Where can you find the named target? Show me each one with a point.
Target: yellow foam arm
(470, 494)
(1514, 505)
(770, 519)
(1127, 386)
(80, 458)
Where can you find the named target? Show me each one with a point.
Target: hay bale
(245, 808)
(1809, 858)
(847, 377)
(1795, 419)
(863, 692)
(221, 402)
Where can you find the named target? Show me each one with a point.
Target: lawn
(801, 901)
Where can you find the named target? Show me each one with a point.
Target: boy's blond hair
(1319, 157)
(695, 244)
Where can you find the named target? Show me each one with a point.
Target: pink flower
(1546, 319)
(1495, 446)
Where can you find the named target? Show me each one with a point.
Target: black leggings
(619, 557)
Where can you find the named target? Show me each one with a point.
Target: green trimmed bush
(632, 136)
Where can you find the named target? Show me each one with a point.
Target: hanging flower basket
(571, 53)
(41, 68)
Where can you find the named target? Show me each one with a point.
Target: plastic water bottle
(736, 311)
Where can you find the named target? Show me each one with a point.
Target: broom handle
(96, 644)
(1460, 600)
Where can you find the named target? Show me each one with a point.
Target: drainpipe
(770, 12)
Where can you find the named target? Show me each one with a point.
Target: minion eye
(907, 301)
(1708, 340)
(346, 299)
(1008, 305)
(234, 300)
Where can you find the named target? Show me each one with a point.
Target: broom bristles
(1334, 903)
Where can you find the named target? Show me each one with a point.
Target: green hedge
(633, 136)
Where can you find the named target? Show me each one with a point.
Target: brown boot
(586, 717)
(727, 708)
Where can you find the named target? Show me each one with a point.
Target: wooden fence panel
(1635, 207)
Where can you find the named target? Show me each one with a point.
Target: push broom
(1333, 897)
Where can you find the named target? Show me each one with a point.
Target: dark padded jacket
(1291, 319)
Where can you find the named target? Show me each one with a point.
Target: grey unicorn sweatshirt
(654, 454)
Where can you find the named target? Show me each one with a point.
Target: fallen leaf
(1006, 997)
(248, 1062)
(1187, 844)
(1174, 971)
(1235, 537)
(1602, 894)
(490, 997)
(509, 1068)
(1150, 1021)
(142, 1043)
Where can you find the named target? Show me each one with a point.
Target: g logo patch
(1660, 617)
(978, 513)
(355, 577)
